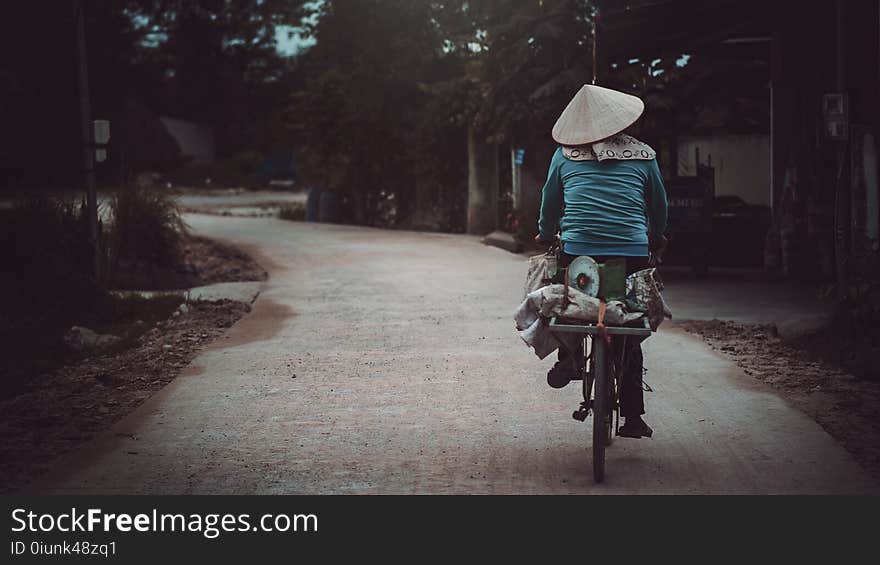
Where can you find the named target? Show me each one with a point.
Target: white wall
(742, 164)
(194, 140)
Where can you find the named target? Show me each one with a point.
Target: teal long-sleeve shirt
(608, 205)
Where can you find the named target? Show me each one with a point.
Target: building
(813, 160)
(196, 142)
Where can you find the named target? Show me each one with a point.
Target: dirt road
(387, 362)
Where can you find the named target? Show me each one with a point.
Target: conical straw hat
(596, 113)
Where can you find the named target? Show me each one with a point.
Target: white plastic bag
(541, 270)
(540, 305)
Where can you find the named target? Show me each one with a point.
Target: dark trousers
(632, 396)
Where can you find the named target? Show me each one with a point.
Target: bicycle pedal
(581, 414)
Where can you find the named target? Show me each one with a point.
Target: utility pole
(595, 45)
(841, 197)
(87, 147)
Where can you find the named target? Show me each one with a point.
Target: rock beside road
(80, 339)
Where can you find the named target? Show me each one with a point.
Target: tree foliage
(536, 54)
(216, 62)
(391, 87)
(366, 119)
(378, 108)
(210, 61)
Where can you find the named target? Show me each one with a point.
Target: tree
(359, 119)
(212, 61)
(216, 62)
(531, 57)
(392, 86)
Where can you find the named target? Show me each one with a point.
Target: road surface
(387, 362)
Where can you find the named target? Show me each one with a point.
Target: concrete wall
(742, 164)
(195, 141)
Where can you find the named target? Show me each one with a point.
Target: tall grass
(147, 229)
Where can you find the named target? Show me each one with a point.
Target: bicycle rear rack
(578, 327)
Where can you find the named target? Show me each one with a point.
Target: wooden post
(87, 148)
(841, 197)
(596, 46)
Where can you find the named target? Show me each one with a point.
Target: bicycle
(599, 367)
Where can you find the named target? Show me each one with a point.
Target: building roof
(658, 28)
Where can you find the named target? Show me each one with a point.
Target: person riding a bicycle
(605, 193)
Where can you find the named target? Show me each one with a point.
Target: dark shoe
(561, 374)
(635, 428)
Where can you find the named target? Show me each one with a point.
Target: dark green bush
(294, 212)
(46, 284)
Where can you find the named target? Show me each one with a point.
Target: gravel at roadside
(62, 409)
(845, 406)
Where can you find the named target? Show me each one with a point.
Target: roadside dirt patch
(265, 321)
(203, 261)
(845, 406)
(61, 409)
(216, 262)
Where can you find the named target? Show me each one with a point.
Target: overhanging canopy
(659, 28)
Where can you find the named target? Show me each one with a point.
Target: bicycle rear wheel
(601, 407)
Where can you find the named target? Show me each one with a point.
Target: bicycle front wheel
(601, 406)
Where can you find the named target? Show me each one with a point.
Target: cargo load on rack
(643, 307)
